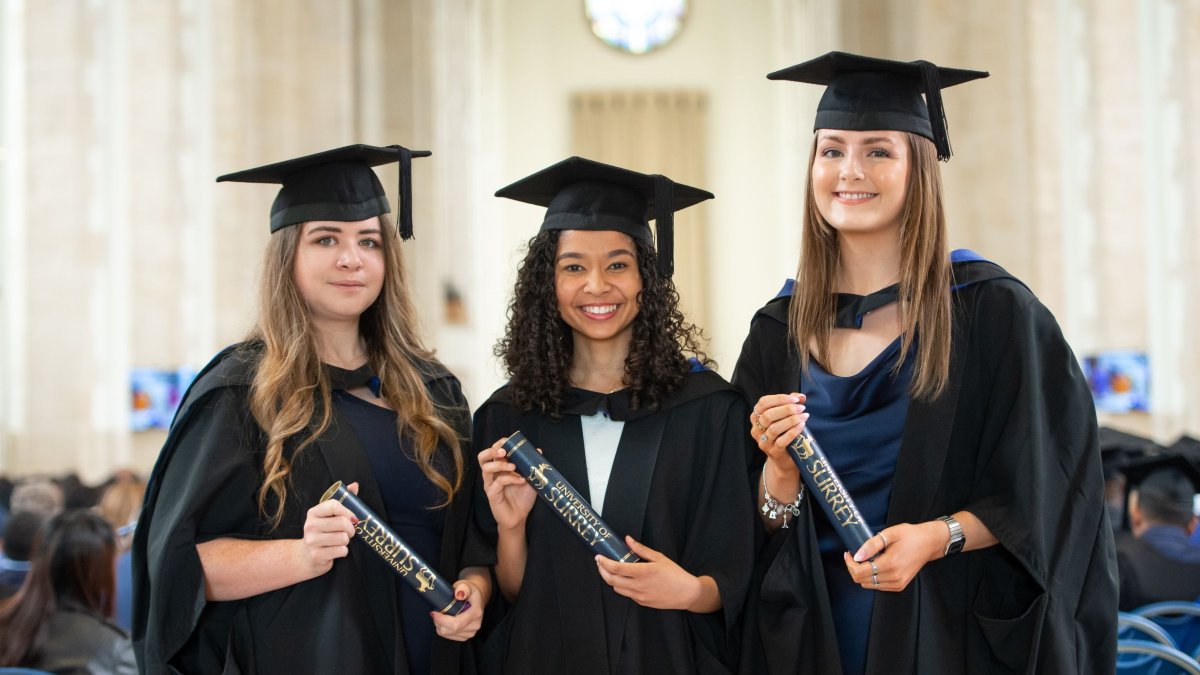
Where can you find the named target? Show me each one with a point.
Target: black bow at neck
(362, 376)
(852, 308)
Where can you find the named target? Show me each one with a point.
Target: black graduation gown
(678, 485)
(204, 486)
(1014, 441)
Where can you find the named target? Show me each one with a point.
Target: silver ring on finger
(875, 580)
(885, 541)
(762, 439)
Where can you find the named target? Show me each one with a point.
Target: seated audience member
(38, 495)
(1190, 447)
(1157, 561)
(120, 506)
(58, 620)
(20, 534)
(1119, 449)
(6, 488)
(80, 495)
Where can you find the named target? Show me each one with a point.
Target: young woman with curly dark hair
(601, 381)
(537, 349)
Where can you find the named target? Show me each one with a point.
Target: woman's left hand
(899, 552)
(656, 582)
(464, 626)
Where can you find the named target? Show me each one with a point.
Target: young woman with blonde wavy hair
(947, 399)
(237, 565)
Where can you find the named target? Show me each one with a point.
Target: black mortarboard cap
(582, 194)
(1168, 478)
(1139, 470)
(1188, 447)
(864, 93)
(335, 184)
(1118, 449)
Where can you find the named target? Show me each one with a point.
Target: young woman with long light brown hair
(944, 395)
(235, 560)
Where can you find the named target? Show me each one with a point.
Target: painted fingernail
(460, 594)
(353, 520)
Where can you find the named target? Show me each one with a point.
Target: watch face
(636, 26)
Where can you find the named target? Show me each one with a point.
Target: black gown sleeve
(787, 625)
(1038, 487)
(720, 537)
(206, 490)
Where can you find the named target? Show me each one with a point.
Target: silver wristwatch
(957, 538)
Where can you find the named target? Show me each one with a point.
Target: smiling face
(596, 281)
(339, 268)
(860, 179)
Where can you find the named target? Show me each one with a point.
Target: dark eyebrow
(325, 228)
(866, 141)
(611, 254)
(338, 230)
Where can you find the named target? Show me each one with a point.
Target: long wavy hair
(925, 275)
(537, 347)
(290, 396)
(73, 568)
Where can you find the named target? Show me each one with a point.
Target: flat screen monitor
(1119, 380)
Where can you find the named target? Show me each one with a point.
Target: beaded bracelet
(773, 508)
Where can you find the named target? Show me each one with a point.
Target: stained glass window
(636, 26)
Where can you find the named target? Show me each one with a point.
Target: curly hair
(537, 347)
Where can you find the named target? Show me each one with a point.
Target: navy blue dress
(408, 495)
(859, 421)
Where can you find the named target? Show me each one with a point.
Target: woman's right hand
(327, 532)
(775, 422)
(510, 496)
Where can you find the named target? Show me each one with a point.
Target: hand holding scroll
(909, 548)
(328, 529)
(659, 582)
(774, 423)
(509, 495)
(463, 626)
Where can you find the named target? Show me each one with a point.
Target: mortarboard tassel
(405, 225)
(664, 223)
(937, 114)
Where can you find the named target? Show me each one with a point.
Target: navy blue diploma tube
(827, 488)
(403, 560)
(565, 500)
